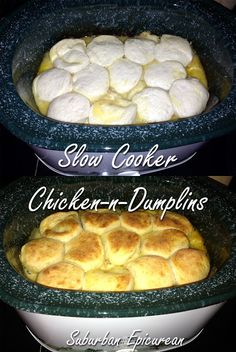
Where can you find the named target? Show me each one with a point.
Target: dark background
(216, 158)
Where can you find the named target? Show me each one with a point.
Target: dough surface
(114, 251)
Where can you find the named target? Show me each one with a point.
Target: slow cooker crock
(52, 314)
(30, 31)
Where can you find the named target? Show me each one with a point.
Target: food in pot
(39, 254)
(114, 251)
(173, 48)
(188, 96)
(51, 84)
(153, 104)
(69, 106)
(113, 80)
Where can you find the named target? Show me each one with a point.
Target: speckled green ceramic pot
(34, 28)
(54, 314)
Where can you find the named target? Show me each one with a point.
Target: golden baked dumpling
(163, 243)
(100, 222)
(172, 220)
(62, 275)
(196, 240)
(151, 272)
(37, 254)
(121, 245)
(61, 226)
(116, 279)
(86, 250)
(137, 221)
(114, 251)
(190, 265)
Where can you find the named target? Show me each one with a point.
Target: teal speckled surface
(32, 29)
(217, 223)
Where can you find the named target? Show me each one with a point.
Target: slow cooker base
(51, 159)
(48, 348)
(55, 332)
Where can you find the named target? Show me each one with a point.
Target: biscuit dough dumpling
(69, 107)
(153, 105)
(112, 112)
(100, 221)
(104, 250)
(189, 97)
(52, 83)
(172, 47)
(62, 275)
(62, 226)
(92, 81)
(63, 46)
(105, 49)
(117, 279)
(163, 243)
(121, 245)
(172, 220)
(38, 254)
(163, 74)
(190, 265)
(69, 54)
(137, 221)
(139, 50)
(151, 272)
(124, 75)
(86, 251)
(120, 80)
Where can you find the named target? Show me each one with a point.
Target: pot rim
(54, 135)
(22, 294)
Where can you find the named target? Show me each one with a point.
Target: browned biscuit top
(121, 245)
(86, 250)
(151, 272)
(61, 226)
(100, 222)
(39, 253)
(190, 265)
(138, 221)
(163, 243)
(115, 251)
(172, 220)
(116, 279)
(62, 275)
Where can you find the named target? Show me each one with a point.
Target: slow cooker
(71, 148)
(58, 318)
